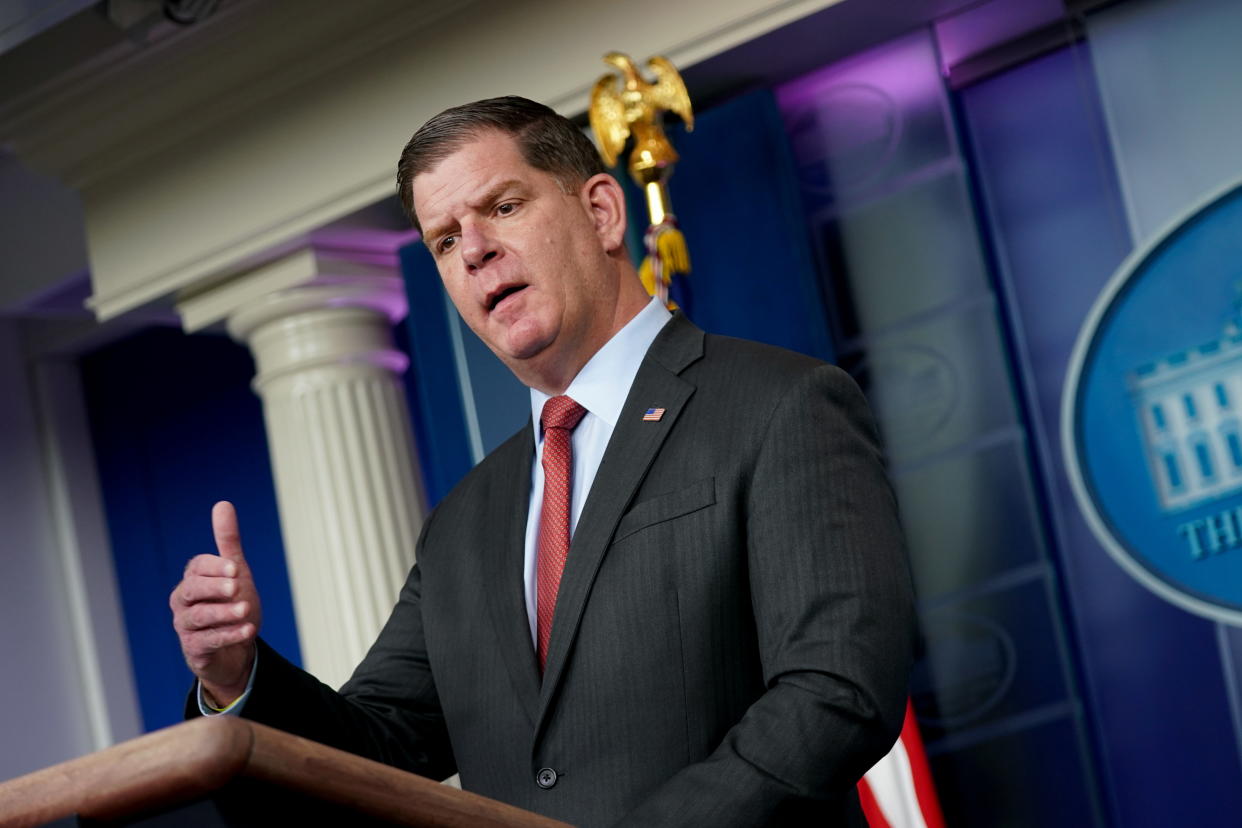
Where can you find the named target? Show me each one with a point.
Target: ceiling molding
(140, 101)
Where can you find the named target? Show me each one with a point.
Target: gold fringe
(674, 252)
(674, 256)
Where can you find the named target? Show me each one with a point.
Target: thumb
(224, 527)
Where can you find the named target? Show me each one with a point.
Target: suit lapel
(631, 450)
(506, 511)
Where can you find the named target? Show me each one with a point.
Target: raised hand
(216, 612)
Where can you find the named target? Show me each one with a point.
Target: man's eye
(446, 243)
(507, 208)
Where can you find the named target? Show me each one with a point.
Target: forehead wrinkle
(487, 195)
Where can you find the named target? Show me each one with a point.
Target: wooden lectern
(227, 771)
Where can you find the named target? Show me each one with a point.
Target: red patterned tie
(560, 417)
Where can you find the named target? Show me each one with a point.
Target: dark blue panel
(501, 402)
(987, 661)
(1053, 203)
(439, 421)
(176, 428)
(736, 198)
(1153, 674)
(1026, 779)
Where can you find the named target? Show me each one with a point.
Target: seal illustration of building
(1188, 405)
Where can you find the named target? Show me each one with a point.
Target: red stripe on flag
(871, 808)
(924, 788)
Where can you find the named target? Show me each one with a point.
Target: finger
(199, 645)
(194, 589)
(210, 566)
(228, 636)
(211, 616)
(224, 527)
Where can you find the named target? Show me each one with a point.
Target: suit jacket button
(545, 778)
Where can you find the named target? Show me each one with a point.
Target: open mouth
(498, 296)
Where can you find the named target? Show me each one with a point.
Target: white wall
(65, 682)
(1173, 126)
(42, 719)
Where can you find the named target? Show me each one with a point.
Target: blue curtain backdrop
(176, 428)
(441, 430)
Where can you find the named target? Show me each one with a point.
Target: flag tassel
(667, 256)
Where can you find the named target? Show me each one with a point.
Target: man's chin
(516, 352)
(534, 363)
(524, 340)
(524, 352)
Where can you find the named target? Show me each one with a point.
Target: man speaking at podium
(679, 596)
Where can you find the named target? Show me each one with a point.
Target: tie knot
(561, 412)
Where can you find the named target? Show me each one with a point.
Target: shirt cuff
(235, 708)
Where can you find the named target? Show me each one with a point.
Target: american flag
(653, 414)
(898, 792)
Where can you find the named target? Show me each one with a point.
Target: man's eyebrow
(497, 191)
(487, 197)
(433, 233)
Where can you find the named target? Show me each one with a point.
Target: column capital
(323, 331)
(381, 295)
(322, 278)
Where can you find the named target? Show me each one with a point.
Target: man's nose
(478, 247)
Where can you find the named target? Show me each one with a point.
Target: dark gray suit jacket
(733, 631)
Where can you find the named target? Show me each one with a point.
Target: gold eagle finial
(629, 104)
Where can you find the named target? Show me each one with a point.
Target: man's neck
(553, 379)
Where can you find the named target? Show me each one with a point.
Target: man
(727, 638)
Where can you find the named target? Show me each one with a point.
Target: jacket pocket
(696, 496)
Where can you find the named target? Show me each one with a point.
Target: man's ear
(605, 200)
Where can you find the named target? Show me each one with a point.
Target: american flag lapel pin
(653, 415)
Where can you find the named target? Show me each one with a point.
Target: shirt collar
(604, 382)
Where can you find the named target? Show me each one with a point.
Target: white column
(339, 434)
